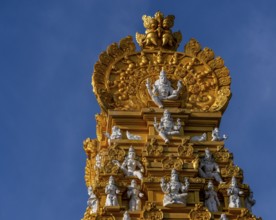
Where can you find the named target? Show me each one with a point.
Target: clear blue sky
(47, 52)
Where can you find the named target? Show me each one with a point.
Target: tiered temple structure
(159, 153)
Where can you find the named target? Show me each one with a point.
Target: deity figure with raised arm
(167, 127)
(134, 194)
(211, 198)
(130, 165)
(208, 168)
(249, 201)
(223, 217)
(174, 191)
(234, 193)
(111, 191)
(93, 201)
(126, 216)
(162, 89)
(216, 135)
(115, 134)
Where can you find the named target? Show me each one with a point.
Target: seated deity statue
(208, 168)
(216, 135)
(174, 191)
(132, 136)
(130, 165)
(111, 191)
(249, 201)
(116, 134)
(223, 217)
(93, 201)
(126, 216)
(211, 198)
(162, 89)
(234, 193)
(134, 194)
(166, 126)
(199, 138)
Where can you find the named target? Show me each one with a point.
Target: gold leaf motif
(225, 81)
(206, 55)
(172, 163)
(101, 125)
(150, 212)
(192, 47)
(90, 147)
(153, 149)
(90, 173)
(185, 149)
(224, 71)
(200, 213)
(246, 215)
(216, 63)
(222, 154)
(231, 170)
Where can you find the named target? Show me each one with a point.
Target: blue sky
(48, 49)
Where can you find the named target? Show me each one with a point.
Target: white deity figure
(208, 168)
(250, 201)
(93, 201)
(162, 89)
(199, 138)
(174, 191)
(211, 198)
(167, 127)
(223, 217)
(98, 163)
(216, 135)
(134, 194)
(116, 134)
(132, 136)
(130, 164)
(111, 191)
(234, 194)
(126, 216)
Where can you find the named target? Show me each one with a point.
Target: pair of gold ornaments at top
(119, 83)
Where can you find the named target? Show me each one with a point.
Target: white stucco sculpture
(93, 201)
(126, 216)
(234, 193)
(131, 166)
(98, 163)
(162, 89)
(167, 127)
(111, 191)
(132, 136)
(249, 201)
(211, 198)
(216, 135)
(199, 138)
(134, 194)
(223, 217)
(208, 168)
(115, 134)
(174, 191)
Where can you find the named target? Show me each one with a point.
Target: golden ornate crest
(90, 147)
(200, 213)
(232, 170)
(153, 148)
(222, 154)
(185, 148)
(151, 212)
(172, 163)
(246, 215)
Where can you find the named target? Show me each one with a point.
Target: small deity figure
(162, 89)
(116, 134)
(126, 216)
(211, 198)
(216, 135)
(93, 201)
(250, 201)
(130, 165)
(98, 163)
(223, 217)
(111, 190)
(132, 136)
(134, 194)
(199, 138)
(234, 194)
(166, 126)
(208, 168)
(175, 191)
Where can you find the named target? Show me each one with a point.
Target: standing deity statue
(223, 217)
(166, 126)
(134, 194)
(208, 168)
(115, 134)
(175, 191)
(93, 201)
(211, 198)
(111, 191)
(216, 135)
(234, 193)
(162, 89)
(126, 216)
(98, 163)
(130, 165)
(250, 201)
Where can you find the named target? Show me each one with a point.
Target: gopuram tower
(159, 153)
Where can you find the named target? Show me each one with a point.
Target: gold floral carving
(185, 148)
(196, 180)
(200, 213)
(101, 125)
(172, 163)
(90, 147)
(153, 149)
(222, 154)
(231, 170)
(247, 215)
(150, 212)
(90, 173)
